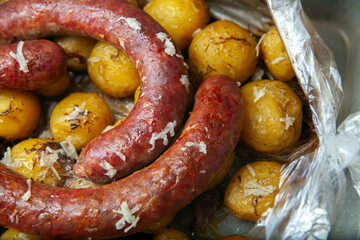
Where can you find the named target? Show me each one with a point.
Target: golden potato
(19, 114)
(137, 93)
(273, 52)
(252, 189)
(112, 71)
(79, 118)
(272, 116)
(56, 88)
(133, 2)
(13, 234)
(223, 47)
(76, 45)
(179, 17)
(223, 172)
(39, 159)
(171, 234)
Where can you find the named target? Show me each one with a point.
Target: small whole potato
(76, 45)
(179, 17)
(273, 52)
(13, 234)
(43, 160)
(252, 189)
(223, 172)
(223, 47)
(56, 88)
(272, 116)
(79, 118)
(19, 114)
(171, 234)
(112, 71)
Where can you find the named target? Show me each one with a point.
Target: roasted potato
(81, 46)
(252, 189)
(223, 47)
(179, 17)
(56, 88)
(43, 160)
(137, 93)
(79, 118)
(272, 116)
(19, 114)
(223, 172)
(171, 234)
(273, 52)
(112, 71)
(12, 234)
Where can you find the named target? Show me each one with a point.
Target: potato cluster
(273, 113)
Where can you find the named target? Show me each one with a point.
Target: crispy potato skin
(13, 234)
(273, 52)
(82, 125)
(19, 114)
(57, 87)
(223, 47)
(179, 17)
(171, 234)
(112, 71)
(268, 106)
(30, 152)
(250, 207)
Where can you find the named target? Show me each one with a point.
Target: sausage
(41, 63)
(151, 194)
(161, 108)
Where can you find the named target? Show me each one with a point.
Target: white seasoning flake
(169, 47)
(185, 81)
(202, 171)
(77, 113)
(258, 45)
(277, 60)
(201, 146)
(251, 169)
(162, 36)
(111, 171)
(132, 22)
(19, 57)
(121, 156)
(93, 59)
(107, 128)
(1, 120)
(289, 121)
(258, 93)
(69, 149)
(256, 189)
(127, 216)
(27, 195)
(169, 128)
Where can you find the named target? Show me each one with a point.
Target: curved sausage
(148, 195)
(30, 65)
(161, 108)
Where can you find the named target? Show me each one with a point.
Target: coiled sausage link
(158, 191)
(31, 74)
(160, 111)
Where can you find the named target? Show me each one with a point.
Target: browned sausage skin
(163, 102)
(21, 69)
(151, 194)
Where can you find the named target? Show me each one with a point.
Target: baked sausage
(147, 196)
(30, 65)
(161, 108)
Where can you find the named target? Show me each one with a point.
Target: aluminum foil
(312, 185)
